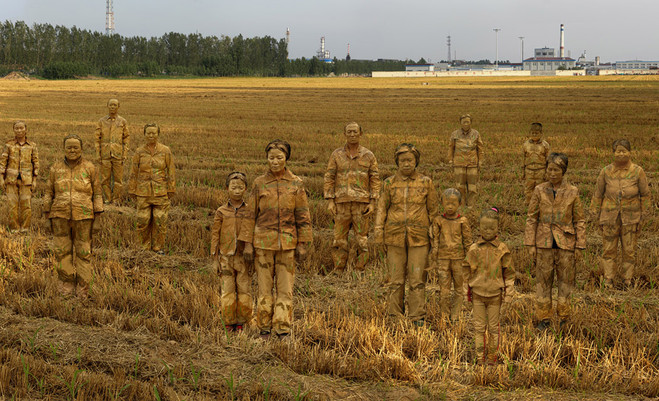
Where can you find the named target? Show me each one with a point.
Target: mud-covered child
(535, 150)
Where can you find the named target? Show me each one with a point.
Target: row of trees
(61, 52)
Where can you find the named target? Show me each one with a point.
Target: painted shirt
(451, 237)
(621, 192)
(488, 268)
(352, 179)
(466, 150)
(112, 138)
(535, 154)
(153, 173)
(73, 191)
(226, 229)
(19, 160)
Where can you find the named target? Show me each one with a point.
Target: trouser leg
(12, 199)
(493, 307)
(264, 264)
(82, 243)
(118, 179)
(444, 270)
(566, 275)
(472, 185)
(533, 178)
(228, 288)
(395, 280)
(340, 247)
(460, 175)
(285, 273)
(360, 226)
(417, 260)
(144, 221)
(24, 206)
(160, 214)
(480, 323)
(458, 288)
(105, 170)
(610, 237)
(629, 241)
(243, 289)
(544, 278)
(63, 249)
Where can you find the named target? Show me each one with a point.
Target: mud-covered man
(111, 145)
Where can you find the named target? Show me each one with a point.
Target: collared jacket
(406, 207)
(621, 192)
(226, 229)
(20, 160)
(352, 179)
(112, 138)
(451, 237)
(488, 268)
(466, 150)
(558, 218)
(73, 192)
(535, 154)
(153, 174)
(279, 215)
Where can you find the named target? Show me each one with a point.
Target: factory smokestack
(562, 40)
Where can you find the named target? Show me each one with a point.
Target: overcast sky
(613, 29)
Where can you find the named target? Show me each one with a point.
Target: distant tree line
(58, 52)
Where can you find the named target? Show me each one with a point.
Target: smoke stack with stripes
(562, 40)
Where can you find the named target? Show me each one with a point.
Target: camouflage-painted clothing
(274, 306)
(487, 313)
(488, 268)
(19, 161)
(532, 178)
(19, 198)
(153, 173)
(621, 192)
(152, 218)
(627, 235)
(451, 237)
(236, 285)
(549, 261)
(73, 192)
(279, 213)
(72, 250)
(226, 229)
(406, 207)
(555, 217)
(352, 179)
(350, 214)
(112, 138)
(465, 150)
(406, 263)
(535, 154)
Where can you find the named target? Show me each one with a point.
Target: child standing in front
(451, 238)
(488, 269)
(235, 276)
(534, 165)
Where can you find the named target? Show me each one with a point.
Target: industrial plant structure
(109, 18)
(544, 59)
(322, 54)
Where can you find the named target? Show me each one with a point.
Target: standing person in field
(352, 187)
(535, 151)
(279, 227)
(19, 169)
(465, 154)
(153, 183)
(490, 276)
(555, 228)
(73, 202)
(621, 202)
(235, 276)
(407, 205)
(451, 238)
(111, 144)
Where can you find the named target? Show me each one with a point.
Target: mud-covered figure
(555, 228)
(153, 183)
(535, 151)
(235, 274)
(19, 168)
(451, 238)
(279, 228)
(407, 205)
(73, 201)
(490, 276)
(465, 154)
(352, 187)
(621, 202)
(111, 144)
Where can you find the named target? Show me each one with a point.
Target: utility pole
(448, 42)
(496, 60)
(521, 38)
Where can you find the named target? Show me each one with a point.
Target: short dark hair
(559, 159)
(236, 175)
(539, 125)
(150, 125)
(19, 122)
(491, 213)
(452, 192)
(622, 142)
(71, 136)
(345, 127)
(281, 145)
(407, 147)
(462, 117)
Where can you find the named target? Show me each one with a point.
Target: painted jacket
(349, 179)
(488, 268)
(73, 191)
(621, 192)
(466, 150)
(226, 229)
(451, 237)
(153, 174)
(112, 138)
(279, 215)
(20, 160)
(558, 217)
(535, 154)
(406, 207)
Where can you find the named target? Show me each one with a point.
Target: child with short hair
(451, 238)
(235, 275)
(535, 151)
(488, 269)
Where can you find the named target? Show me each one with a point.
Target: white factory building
(545, 59)
(637, 65)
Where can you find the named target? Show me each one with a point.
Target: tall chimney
(562, 40)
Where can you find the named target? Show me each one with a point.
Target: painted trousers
(531, 179)
(549, 261)
(350, 214)
(467, 181)
(450, 275)
(486, 314)
(236, 284)
(112, 178)
(152, 214)
(406, 262)
(72, 249)
(19, 197)
(275, 275)
(628, 237)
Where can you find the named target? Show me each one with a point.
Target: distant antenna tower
(348, 55)
(448, 43)
(288, 36)
(109, 18)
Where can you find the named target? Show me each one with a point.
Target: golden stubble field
(151, 329)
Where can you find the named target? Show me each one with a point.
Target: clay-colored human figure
(352, 187)
(535, 151)
(153, 183)
(407, 205)
(235, 276)
(465, 154)
(621, 202)
(451, 238)
(73, 202)
(19, 168)
(489, 272)
(555, 227)
(279, 227)
(111, 144)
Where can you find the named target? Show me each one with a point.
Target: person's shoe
(229, 328)
(238, 327)
(23, 231)
(285, 337)
(607, 283)
(628, 283)
(264, 335)
(160, 252)
(66, 289)
(82, 292)
(543, 325)
(563, 324)
(419, 323)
